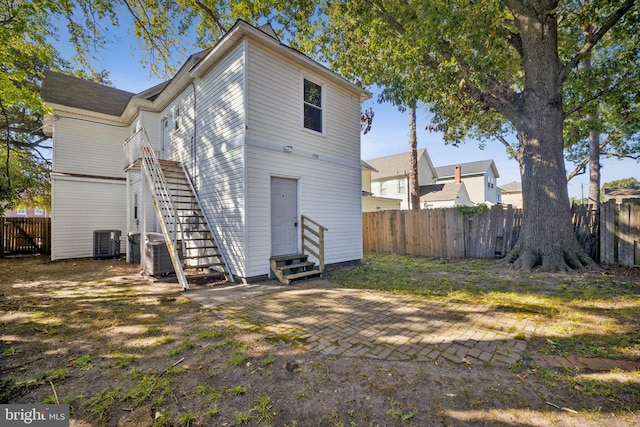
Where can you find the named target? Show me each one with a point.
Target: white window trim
(323, 102)
(176, 116)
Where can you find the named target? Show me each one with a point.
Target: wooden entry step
(291, 267)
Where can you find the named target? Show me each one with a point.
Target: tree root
(570, 259)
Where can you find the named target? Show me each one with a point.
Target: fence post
(2, 238)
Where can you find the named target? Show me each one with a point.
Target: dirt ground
(126, 352)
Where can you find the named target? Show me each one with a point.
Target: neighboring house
(371, 203)
(267, 137)
(511, 194)
(391, 179)
(621, 194)
(26, 213)
(479, 177)
(447, 195)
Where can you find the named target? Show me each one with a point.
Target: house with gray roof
(231, 161)
(511, 194)
(479, 177)
(391, 176)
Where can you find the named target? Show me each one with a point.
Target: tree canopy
(622, 183)
(28, 29)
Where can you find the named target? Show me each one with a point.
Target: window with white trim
(402, 186)
(312, 105)
(383, 188)
(177, 118)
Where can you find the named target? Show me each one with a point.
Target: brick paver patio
(331, 320)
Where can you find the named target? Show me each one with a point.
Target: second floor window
(312, 105)
(383, 188)
(402, 186)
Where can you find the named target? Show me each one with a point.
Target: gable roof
(393, 165)
(440, 192)
(367, 166)
(72, 92)
(59, 88)
(470, 168)
(511, 187)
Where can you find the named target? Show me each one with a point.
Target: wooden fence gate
(20, 236)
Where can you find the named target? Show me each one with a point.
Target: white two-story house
(233, 161)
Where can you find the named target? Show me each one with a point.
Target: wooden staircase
(287, 268)
(190, 241)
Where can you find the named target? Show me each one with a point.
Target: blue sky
(389, 133)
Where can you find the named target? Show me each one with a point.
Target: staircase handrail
(227, 267)
(315, 248)
(138, 146)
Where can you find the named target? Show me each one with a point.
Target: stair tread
(301, 274)
(279, 258)
(296, 265)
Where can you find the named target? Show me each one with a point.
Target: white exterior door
(284, 216)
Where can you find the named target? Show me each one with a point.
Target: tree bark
(414, 186)
(547, 239)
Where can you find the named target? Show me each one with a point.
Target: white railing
(138, 147)
(313, 240)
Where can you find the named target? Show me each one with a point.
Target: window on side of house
(177, 118)
(312, 106)
(383, 188)
(38, 211)
(402, 186)
(21, 211)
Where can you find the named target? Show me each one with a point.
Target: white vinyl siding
(339, 211)
(81, 206)
(88, 148)
(221, 192)
(274, 111)
(214, 160)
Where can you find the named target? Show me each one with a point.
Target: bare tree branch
(580, 167)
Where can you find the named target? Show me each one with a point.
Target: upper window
(176, 118)
(312, 106)
(21, 211)
(402, 186)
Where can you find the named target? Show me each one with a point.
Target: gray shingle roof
(440, 192)
(393, 165)
(471, 168)
(58, 88)
(512, 187)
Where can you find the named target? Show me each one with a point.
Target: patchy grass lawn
(123, 351)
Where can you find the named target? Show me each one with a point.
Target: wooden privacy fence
(620, 233)
(451, 233)
(25, 236)
(446, 233)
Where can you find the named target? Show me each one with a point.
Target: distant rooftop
(393, 165)
(470, 168)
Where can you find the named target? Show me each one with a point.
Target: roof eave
(243, 29)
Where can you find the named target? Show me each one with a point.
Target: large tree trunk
(414, 185)
(547, 238)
